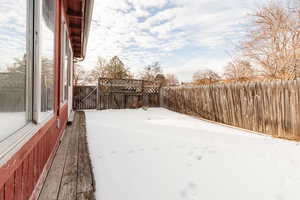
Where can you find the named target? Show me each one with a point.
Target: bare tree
(273, 42)
(171, 80)
(204, 77)
(115, 68)
(19, 65)
(79, 74)
(161, 79)
(239, 70)
(98, 71)
(151, 71)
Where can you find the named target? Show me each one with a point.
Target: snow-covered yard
(162, 155)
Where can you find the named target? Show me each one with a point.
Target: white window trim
(30, 61)
(38, 116)
(64, 38)
(15, 142)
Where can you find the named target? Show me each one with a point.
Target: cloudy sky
(183, 35)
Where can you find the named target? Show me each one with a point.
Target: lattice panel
(128, 86)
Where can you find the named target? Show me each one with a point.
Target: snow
(11, 122)
(162, 155)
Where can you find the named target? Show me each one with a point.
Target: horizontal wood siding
(19, 176)
(268, 107)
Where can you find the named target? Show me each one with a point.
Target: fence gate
(127, 93)
(84, 97)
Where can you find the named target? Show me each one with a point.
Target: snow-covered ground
(11, 122)
(162, 155)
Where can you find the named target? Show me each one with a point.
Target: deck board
(85, 183)
(70, 176)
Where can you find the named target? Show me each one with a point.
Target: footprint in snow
(113, 152)
(155, 149)
(190, 191)
(192, 185)
(183, 194)
(189, 165)
(131, 151)
(199, 157)
(279, 197)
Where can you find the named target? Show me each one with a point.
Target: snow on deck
(162, 155)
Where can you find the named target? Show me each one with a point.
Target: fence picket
(267, 107)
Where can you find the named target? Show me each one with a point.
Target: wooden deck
(70, 175)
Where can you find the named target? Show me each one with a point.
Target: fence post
(97, 100)
(161, 97)
(143, 93)
(98, 96)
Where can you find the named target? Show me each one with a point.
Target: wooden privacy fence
(117, 94)
(12, 92)
(267, 107)
(85, 97)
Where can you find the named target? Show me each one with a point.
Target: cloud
(144, 31)
(148, 3)
(12, 31)
(185, 71)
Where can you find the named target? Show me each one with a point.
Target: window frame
(63, 76)
(13, 142)
(28, 73)
(37, 114)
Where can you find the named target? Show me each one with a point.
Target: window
(46, 50)
(70, 64)
(66, 67)
(15, 67)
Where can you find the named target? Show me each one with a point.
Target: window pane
(63, 64)
(47, 55)
(13, 66)
(66, 65)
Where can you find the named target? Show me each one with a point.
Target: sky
(183, 35)
(12, 31)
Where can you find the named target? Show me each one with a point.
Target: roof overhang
(79, 14)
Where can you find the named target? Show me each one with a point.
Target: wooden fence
(117, 94)
(12, 92)
(85, 97)
(268, 107)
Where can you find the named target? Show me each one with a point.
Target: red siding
(20, 175)
(2, 193)
(9, 189)
(18, 183)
